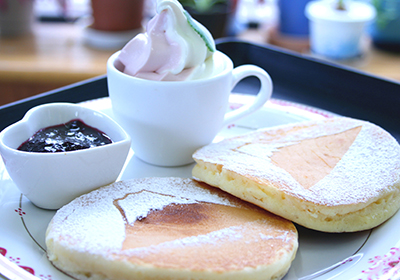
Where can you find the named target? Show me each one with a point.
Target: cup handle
(263, 95)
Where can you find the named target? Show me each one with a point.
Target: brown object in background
(297, 44)
(117, 15)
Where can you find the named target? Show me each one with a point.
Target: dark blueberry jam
(71, 136)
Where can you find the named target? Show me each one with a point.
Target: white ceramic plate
(372, 254)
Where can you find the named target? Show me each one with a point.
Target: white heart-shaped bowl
(51, 180)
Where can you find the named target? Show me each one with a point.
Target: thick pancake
(168, 228)
(334, 175)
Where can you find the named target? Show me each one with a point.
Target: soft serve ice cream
(175, 47)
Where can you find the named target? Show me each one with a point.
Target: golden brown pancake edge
(361, 190)
(218, 235)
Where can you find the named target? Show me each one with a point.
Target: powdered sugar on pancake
(261, 150)
(364, 172)
(109, 232)
(137, 206)
(95, 220)
(171, 228)
(213, 238)
(369, 166)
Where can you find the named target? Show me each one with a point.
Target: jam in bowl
(71, 136)
(52, 179)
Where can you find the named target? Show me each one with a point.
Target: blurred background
(47, 44)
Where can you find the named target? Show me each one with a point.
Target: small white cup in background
(338, 34)
(169, 120)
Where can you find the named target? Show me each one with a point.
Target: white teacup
(169, 120)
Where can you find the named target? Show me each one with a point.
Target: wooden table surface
(55, 55)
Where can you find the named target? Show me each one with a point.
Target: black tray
(296, 78)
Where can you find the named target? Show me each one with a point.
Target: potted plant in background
(215, 15)
(115, 22)
(337, 28)
(385, 30)
(16, 17)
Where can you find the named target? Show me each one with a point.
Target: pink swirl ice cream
(174, 47)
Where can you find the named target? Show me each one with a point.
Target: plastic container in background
(338, 34)
(292, 20)
(292, 30)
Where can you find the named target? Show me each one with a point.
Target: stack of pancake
(333, 175)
